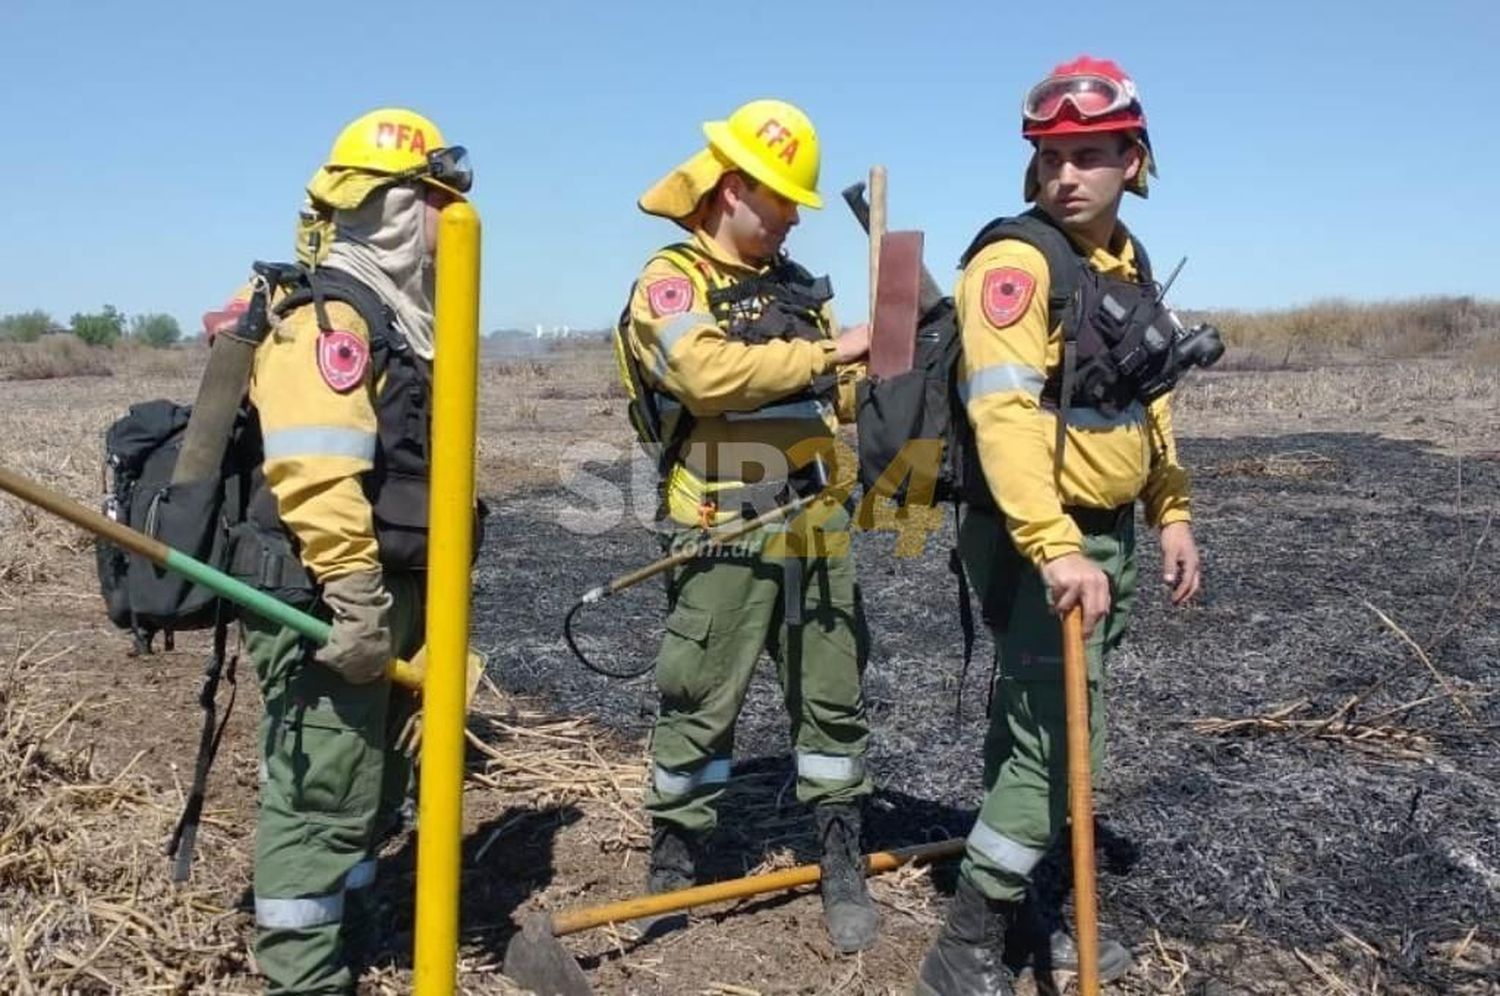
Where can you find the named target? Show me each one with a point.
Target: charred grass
(1301, 797)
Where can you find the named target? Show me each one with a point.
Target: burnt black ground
(1295, 838)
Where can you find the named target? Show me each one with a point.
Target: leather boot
(674, 858)
(847, 908)
(1037, 942)
(967, 957)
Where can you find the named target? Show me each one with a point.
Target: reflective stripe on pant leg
(361, 876)
(679, 783)
(820, 670)
(1003, 852)
(298, 913)
(317, 808)
(829, 767)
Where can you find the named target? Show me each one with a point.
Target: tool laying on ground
(705, 542)
(408, 674)
(537, 961)
(1081, 801)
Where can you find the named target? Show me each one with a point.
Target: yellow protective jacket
(318, 441)
(1008, 353)
(731, 389)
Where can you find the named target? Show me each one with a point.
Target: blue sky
(1307, 150)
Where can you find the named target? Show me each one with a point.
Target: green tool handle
(221, 584)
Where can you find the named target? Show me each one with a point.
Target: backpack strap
(221, 666)
(1063, 262)
(1064, 274)
(1142, 259)
(688, 259)
(323, 284)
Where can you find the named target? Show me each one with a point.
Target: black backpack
(911, 426)
(141, 451)
(915, 441)
(201, 519)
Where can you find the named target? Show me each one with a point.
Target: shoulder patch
(1006, 293)
(343, 358)
(670, 296)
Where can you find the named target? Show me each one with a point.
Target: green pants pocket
(683, 668)
(332, 767)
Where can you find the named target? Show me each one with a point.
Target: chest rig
(785, 302)
(1117, 333)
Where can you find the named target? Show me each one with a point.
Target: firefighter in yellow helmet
(337, 523)
(738, 381)
(1068, 394)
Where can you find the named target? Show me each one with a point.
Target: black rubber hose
(583, 658)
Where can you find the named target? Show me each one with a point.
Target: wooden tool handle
(739, 888)
(877, 230)
(1081, 801)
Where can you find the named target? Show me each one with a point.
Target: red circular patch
(1007, 292)
(342, 359)
(670, 296)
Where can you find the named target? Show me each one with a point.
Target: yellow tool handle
(739, 888)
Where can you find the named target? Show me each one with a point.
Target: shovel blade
(536, 960)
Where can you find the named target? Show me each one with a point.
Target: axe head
(893, 328)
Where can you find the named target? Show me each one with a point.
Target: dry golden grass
(85, 905)
(54, 356)
(60, 356)
(1335, 330)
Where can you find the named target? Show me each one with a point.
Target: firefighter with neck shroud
(1067, 363)
(341, 388)
(738, 380)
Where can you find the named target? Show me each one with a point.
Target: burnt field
(1303, 777)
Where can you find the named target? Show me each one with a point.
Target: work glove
(359, 648)
(410, 739)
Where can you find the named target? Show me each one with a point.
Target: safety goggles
(1091, 97)
(449, 166)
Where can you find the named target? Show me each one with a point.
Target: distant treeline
(104, 327)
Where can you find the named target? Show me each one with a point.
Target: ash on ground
(1361, 798)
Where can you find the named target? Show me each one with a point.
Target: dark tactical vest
(786, 302)
(266, 553)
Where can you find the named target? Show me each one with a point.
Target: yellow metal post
(455, 385)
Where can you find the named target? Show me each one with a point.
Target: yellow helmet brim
(678, 195)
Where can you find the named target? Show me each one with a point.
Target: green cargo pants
(1025, 752)
(331, 778)
(727, 605)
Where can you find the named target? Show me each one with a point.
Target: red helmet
(1082, 96)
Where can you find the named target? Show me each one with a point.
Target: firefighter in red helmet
(1067, 445)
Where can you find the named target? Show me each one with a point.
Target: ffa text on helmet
(773, 133)
(389, 135)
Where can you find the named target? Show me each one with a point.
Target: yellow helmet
(774, 142)
(394, 141)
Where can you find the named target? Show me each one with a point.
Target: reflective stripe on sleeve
(320, 440)
(1001, 377)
